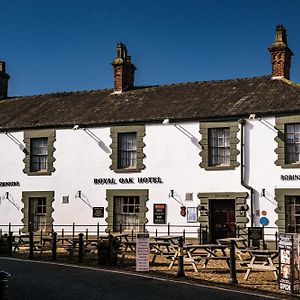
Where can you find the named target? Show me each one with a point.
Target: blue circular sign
(264, 221)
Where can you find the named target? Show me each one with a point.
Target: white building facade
(219, 155)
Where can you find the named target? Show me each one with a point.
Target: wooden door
(222, 219)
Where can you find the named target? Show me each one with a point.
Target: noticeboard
(159, 213)
(255, 233)
(98, 212)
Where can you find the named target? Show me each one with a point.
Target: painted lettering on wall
(128, 180)
(9, 183)
(289, 177)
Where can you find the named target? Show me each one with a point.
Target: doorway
(222, 219)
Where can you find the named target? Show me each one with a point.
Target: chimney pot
(280, 54)
(4, 77)
(123, 69)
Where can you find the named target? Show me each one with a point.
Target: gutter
(243, 183)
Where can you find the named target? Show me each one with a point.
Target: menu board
(159, 213)
(142, 252)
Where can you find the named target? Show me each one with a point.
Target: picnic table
(262, 260)
(205, 252)
(240, 244)
(172, 239)
(157, 248)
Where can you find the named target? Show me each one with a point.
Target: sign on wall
(159, 213)
(192, 214)
(98, 212)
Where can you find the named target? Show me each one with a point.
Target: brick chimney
(280, 54)
(123, 70)
(3, 81)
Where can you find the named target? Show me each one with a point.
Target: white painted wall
(171, 153)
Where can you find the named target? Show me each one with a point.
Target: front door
(222, 219)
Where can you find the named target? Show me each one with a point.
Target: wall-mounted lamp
(203, 210)
(78, 194)
(75, 127)
(263, 193)
(243, 209)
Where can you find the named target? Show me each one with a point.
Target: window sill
(39, 173)
(213, 168)
(128, 170)
(290, 166)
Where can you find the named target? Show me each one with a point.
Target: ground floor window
(292, 211)
(126, 213)
(126, 210)
(37, 211)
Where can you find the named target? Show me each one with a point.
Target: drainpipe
(243, 183)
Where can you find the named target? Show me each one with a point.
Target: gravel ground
(216, 272)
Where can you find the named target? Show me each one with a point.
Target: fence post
(263, 229)
(276, 240)
(168, 228)
(120, 227)
(73, 230)
(232, 279)
(200, 233)
(80, 247)
(9, 227)
(132, 235)
(31, 242)
(98, 232)
(86, 234)
(180, 272)
(183, 234)
(10, 240)
(156, 232)
(54, 245)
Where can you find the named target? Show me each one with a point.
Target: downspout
(243, 183)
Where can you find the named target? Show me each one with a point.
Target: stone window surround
(49, 195)
(140, 133)
(143, 194)
(40, 133)
(240, 199)
(280, 195)
(280, 123)
(234, 128)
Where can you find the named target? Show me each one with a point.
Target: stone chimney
(123, 70)
(3, 81)
(280, 54)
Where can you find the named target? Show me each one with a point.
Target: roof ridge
(290, 82)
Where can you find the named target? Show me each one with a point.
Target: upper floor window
(38, 154)
(292, 143)
(288, 141)
(127, 150)
(219, 146)
(39, 150)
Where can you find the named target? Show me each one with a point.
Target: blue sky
(68, 45)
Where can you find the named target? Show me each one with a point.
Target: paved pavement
(32, 280)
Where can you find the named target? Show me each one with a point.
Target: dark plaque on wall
(159, 213)
(98, 212)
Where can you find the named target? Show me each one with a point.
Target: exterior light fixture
(166, 122)
(75, 127)
(263, 193)
(203, 210)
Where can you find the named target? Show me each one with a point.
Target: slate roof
(222, 99)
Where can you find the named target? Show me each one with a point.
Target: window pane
(292, 143)
(38, 154)
(218, 146)
(127, 150)
(292, 217)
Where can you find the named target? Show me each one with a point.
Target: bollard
(31, 244)
(232, 279)
(54, 245)
(80, 247)
(4, 277)
(180, 272)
